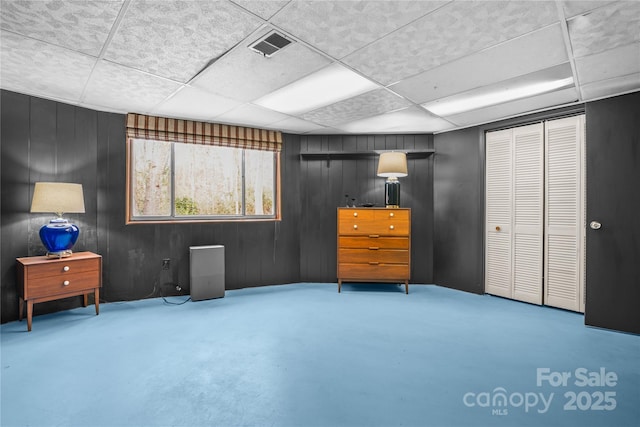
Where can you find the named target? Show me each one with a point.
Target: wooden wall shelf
(346, 155)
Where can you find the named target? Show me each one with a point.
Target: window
(172, 180)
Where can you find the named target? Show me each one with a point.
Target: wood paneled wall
(46, 140)
(324, 186)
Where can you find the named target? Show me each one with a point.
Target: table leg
(29, 314)
(96, 295)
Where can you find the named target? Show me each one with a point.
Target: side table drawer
(55, 285)
(63, 268)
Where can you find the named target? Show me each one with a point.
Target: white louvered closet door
(498, 213)
(566, 208)
(528, 212)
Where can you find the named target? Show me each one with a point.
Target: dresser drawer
(55, 285)
(382, 222)
(356, 221)
(348, 271)
(369, 256)
(365, 242)
(69, 267)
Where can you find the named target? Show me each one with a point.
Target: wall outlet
(166, 264)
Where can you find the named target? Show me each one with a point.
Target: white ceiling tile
(578, 7)
(246, 75)
(611, 87)
(127, 90)
(193, 103)
(368, 104)
(78, 25)
(264, 9)
(612, 63)
(33, 67)
(515, 108)
(455, 30)
(341, 27)
(176, 39)
(611, 26)
(413, 119)
(535, 51)
(295, 125)
(259, 116)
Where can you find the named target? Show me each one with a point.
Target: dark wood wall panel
(613, 199)
(324, 186)
(46, 140)
(459, 210)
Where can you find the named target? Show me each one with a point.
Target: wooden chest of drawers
(374, 245)
(43, 279)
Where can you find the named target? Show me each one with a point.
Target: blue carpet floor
(304, 355)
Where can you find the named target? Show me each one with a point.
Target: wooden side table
(43, 279)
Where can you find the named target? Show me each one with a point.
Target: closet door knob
(498, 228)
(595, 225)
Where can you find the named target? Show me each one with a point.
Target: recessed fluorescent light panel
(327, 86)
(495, 95)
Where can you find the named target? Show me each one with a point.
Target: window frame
(175, 219)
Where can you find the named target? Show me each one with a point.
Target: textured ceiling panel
(260, 116)
(413, 119)
(176, 39)
(609, 64)
(578, 7)
(296, 125)
(189, 58)
(195, 103)
(455, 30)
(246, 75)
(515, 108)
(79, 25)
(611, 26)
(264, 9)
(541, 49)
(58, 72)
(605, 88)
(126, 90)
(339, 28)
(368, 104)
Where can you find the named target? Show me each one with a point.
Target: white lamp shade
(58, 198)
(392, 164)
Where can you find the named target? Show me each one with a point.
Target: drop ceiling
(192, 59)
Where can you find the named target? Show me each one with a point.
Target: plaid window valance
(192, 132)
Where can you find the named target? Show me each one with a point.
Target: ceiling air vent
(270, 44)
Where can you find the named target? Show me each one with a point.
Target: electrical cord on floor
(155, 291)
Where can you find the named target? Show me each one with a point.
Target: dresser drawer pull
(391, 227)
(373, 248)
(66, 283)
(391, 214)
(355, 214)
(374, 236)
(355, 226)
(373, 263)
(66, 268)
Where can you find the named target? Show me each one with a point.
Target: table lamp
(59, 235)
(392, 165)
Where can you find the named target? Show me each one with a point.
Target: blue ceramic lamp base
(58, 237)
